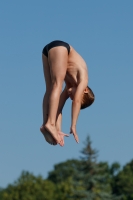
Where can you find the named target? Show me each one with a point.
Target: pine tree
(92, 180)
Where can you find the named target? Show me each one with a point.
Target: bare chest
(71, 77)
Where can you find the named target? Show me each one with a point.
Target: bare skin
(48, 136)
(55, 67)
(60, 67)
(50, 139)
(76, 81)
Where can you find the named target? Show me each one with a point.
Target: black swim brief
(55, 43)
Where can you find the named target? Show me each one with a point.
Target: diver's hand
(73, 131)
(62, 135)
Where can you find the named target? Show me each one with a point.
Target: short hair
(88, 99)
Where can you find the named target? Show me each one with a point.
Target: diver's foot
(53, 131)
(47, 136)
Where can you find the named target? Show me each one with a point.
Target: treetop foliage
(78, 179)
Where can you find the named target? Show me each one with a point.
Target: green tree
(123, 182)
(83, 179)
(115, 168)
(29, 187)
(62, 177)
(93, 176)
(64, 170)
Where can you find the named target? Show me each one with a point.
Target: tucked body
(61, 63)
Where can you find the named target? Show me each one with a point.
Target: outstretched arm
(76, 105)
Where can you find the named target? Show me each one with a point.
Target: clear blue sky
(102, 32)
